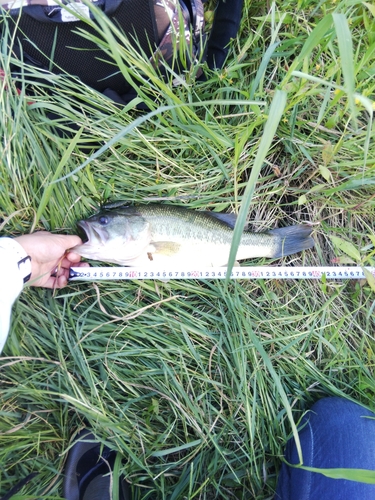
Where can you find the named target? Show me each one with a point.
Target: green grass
(197, 385)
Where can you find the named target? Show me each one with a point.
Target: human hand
(50, 258)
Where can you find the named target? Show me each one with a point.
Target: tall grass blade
(144, 118)
(316, 37)
(280, 389)
(274, 116)
(360, 475)
(49, 188)
(344, 39)
(262, 68)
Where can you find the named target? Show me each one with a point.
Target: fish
(169, 235)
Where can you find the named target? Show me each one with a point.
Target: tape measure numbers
(250, 273)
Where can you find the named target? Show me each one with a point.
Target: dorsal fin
(228, 219)
(116, 204)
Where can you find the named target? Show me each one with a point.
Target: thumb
(70, 240)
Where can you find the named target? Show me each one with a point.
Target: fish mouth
(82, 232)
(90, 234)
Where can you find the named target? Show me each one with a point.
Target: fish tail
(292, 239)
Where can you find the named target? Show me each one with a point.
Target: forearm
(14, 268)
(42, 256)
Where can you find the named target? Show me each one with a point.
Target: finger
(55, 282)
(61, 281)
(67, 261)
(67, 264)
(72, 257)
(70, 240)
(59, 271)
(57, 279)
(46, 282)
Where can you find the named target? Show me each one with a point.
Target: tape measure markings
(250, 273)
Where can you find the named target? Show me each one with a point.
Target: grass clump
(197, 385)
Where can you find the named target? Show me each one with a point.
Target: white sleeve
(14, 267)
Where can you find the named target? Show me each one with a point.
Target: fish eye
(103, 220)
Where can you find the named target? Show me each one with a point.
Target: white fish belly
(197, 254)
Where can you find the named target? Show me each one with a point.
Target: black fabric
(226, 24)
(43, 40)
(77, 55)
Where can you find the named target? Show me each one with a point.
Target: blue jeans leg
(335, 433)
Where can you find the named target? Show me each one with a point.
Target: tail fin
(293, 239)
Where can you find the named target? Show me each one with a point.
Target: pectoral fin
(166, 248)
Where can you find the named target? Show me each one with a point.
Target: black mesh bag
(48, 34)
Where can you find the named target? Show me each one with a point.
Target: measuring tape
(250, 273)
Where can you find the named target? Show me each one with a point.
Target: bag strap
(225, 26)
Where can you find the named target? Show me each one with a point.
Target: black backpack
(49, 36)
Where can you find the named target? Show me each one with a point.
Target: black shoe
(88, 471)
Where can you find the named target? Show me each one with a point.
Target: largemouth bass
(155, 234)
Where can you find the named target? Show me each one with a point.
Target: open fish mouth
(90, 234)
(82, 232)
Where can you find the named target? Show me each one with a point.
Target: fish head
(113, 237)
